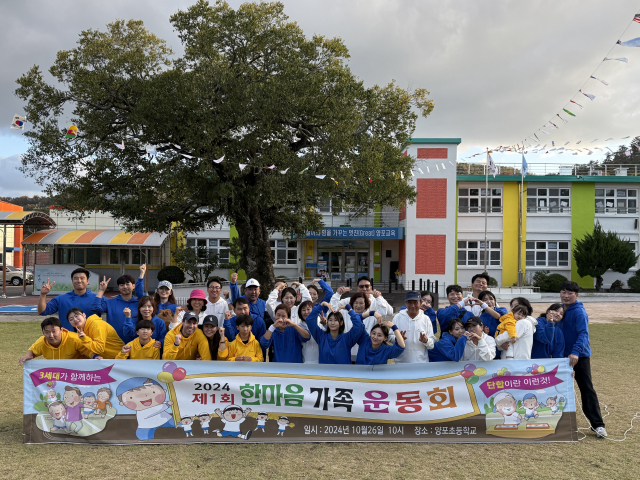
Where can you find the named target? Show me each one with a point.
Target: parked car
(14, 276)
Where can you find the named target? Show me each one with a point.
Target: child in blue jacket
(334, 345)
(285, 336)
(575, 327)
(450, 347)
(548, 341)
(373, 350)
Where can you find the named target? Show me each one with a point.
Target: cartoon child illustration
(50, 396)
(89, 402)
(72, 401)
(262, 420)
(552, 403)
(58, 412)
(204, 418)
(530, 403)
(186, 423)
(149, 400)
(283, 423)
(102, 399)
(505, 404)
(232, 416)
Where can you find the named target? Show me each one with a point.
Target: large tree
(597, 252)
(250, 86)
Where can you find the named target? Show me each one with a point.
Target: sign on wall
(61, 274)
(364, 232)
(132, 401)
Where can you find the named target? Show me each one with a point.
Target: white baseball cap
(252, 282)
(501, 396)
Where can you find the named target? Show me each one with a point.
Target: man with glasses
(377, 301)
(80, 297)
(216, 304)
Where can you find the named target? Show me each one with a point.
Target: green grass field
(616, 357)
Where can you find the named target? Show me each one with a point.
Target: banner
(137, 401)
(61, 274)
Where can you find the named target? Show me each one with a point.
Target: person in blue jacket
(146, 310)
(285, 336)
(575, 328)
(114, 307)
(163, 297)
(548, 341)
(334, 345)
(373, 349)
(241, 307)
(257, 306)
(450, 347)
(80, 297)
(455, 308)
(491, 313)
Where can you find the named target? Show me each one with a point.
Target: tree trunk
(256, 259)
(598, 283)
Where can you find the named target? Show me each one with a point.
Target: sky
(497, 71)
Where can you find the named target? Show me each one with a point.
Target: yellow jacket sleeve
(258, 357)
(82, 347)
(223, 354)
(170, 349)
(123, 356)
(95, 338)
(37, 347)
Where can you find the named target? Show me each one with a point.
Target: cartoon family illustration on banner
(526, 403)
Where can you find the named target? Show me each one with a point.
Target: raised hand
(178, 310)
(387, 324)
(404, 334)
(328, 305)
(143, 270)
(126, 349)
(46, 288)
(221, 330)
(323, 319)
(376, 294)
(423, 338)
(178, 339)
(157, 344)
(228, 315)
(486, 330)
(378, 317)
(104, 284)
(127, 312)
(234, 277)
(226, 294)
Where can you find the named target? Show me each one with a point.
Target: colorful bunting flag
(581, 107)
(558, 115)
(120, 145)
(621, 59)
(595, 140)
(491, 165)
(177, 146)
(270, 168)
(554, 125)
(334, 180)
(588, 95)
(370, 180)
(601, 81)
(428, 171)
(545, 132)
(18, 122)
(151, 152)
(219, 160)
(635, 42)
(625, 137)
(284, 171)
(609, 139)
(321, 177)
(242, 166)
(186, 156)
(420, 170)
(568, 112)
(304, 170)
(636, 18)
(72, 132)
(578, 142)
(566, 143)
(628, 153)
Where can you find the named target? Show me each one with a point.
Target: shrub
(548, 282)
(616, 286)
(172, 274)
(493, 282)
(634, 282)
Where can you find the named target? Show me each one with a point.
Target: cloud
(13, 183)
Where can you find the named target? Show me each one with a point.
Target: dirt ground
(605, 312)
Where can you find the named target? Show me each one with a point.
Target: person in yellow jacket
(100, 337)
(144, 347)
(186, 341)
(245, 348)
(56, 343)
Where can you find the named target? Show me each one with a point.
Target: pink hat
(198, 294)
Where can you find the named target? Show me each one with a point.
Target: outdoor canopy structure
(19, 220)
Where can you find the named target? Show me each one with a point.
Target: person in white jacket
(377, 301)
(419, 332)
(525, 329)
(479, 346)
(288, 297)
(216, 304)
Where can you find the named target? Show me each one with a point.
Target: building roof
(95, 238)
(456, 141)
(26, 218)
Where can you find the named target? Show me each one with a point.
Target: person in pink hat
(197, 303)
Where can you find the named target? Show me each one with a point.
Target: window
(94, 256)
(616, 200)
(284, 252)
(66, 255)
(472, 200)
(551, 200)
(221, 247)
(113, 256)
(138, 257)
(547, 254)
(119, 257)
(78, 254)
(472, 253)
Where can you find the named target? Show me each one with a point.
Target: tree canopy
(250, 86)
(600, 251)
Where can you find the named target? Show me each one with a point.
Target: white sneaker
(600, 432)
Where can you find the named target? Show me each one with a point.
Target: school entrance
(344, 260)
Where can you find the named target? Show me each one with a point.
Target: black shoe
(247, 435)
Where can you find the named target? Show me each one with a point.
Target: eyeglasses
(215, 288)
(365, 287)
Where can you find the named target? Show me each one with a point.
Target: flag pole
(486, 207)
(520, 202)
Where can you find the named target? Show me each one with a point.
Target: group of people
(300, 324)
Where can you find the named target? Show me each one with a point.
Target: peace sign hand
(104, 284)
(46, 288)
